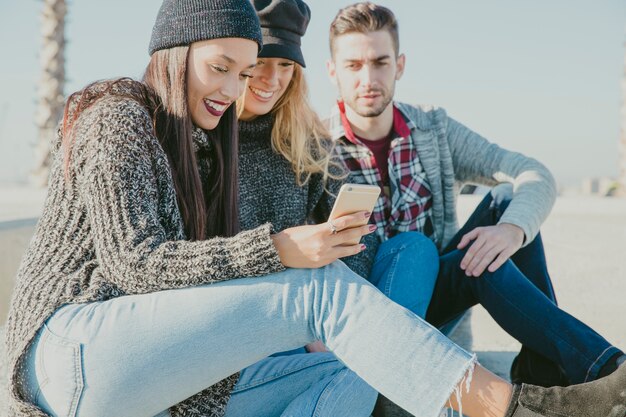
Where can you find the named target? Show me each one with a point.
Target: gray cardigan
(114, 228)
(453, 155)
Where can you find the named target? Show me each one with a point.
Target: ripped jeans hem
(457, 389)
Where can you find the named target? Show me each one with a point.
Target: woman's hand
(314, 246)
(316, 346)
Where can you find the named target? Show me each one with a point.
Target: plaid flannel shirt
(408, 204)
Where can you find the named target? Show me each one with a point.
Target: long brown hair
(206, 211)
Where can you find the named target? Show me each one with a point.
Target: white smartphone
(353, 198)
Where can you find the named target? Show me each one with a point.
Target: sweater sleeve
(479, 161)
(117, 159)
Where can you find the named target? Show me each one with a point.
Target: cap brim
(277, 50)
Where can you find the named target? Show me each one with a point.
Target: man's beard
(372, 111)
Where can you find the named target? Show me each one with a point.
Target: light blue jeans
(138, 355)
(301, 385)
(405, 270)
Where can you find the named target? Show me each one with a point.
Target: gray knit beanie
(283, 24)
(182, 22)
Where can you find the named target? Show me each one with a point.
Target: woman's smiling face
(217, 71)
(272, 77)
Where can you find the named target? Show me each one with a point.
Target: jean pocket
(60, 374)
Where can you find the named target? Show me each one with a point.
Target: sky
(538, 77)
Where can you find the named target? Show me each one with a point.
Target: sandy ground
(585, 240)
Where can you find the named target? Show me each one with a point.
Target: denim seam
(324, 395)
(317, 306)
(392, 252)
(78, 371)
(289, 371)
(78, 376)
(391, 276)
(396, 252)
(592, 366)
(522, 312)
(40, 365)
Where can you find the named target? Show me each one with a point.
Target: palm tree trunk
(51, 99)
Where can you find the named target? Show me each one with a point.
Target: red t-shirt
(380, 149)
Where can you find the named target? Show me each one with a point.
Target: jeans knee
(414, 241)
(417, 239)
(334, 291)
(418, 245)
(337, 273)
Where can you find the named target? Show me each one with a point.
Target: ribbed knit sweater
(114, 228)
(269, 193)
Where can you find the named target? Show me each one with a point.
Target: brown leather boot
(605, 397)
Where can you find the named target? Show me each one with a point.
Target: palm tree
(51, 84)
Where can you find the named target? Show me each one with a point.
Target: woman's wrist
(277, 241)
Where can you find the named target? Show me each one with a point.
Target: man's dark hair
(364, 17)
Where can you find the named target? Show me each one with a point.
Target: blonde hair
(298, 134)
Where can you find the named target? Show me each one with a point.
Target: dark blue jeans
(520, 298)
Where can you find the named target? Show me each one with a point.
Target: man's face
(365, 69)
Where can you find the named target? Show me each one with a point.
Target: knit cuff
(255, 252)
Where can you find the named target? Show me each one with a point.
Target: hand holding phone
(313, 246)
(353, 198)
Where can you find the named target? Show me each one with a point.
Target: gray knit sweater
(269, 193)
(80, 252)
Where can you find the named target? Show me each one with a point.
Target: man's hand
(492, 246)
